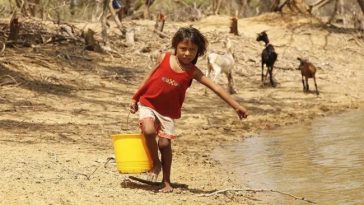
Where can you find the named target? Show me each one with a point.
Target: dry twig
(7, 83)
(88, 176)
(258, 190)
(151, 183)
(161, 34)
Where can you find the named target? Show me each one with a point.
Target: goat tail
(300, 59)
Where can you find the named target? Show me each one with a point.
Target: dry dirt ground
(59, 106)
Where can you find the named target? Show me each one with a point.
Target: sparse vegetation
(60, 102)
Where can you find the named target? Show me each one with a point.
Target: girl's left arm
(240, 110)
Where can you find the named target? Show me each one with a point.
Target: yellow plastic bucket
(131, 153)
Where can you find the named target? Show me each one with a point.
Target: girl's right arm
(135, 98)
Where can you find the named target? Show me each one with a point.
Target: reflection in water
(323, 162)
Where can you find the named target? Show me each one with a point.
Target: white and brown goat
(308, 70)
(222, 63)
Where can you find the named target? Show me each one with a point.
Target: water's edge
(322, 156)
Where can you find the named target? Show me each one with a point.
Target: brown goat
(308, 70)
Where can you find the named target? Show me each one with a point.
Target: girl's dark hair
(195, 36)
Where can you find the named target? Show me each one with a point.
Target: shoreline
(277, 179)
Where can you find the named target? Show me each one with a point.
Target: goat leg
(266, 74)
(231, 83)
(314, 79)
(271, 76)
(217, 71)
(303, 83)
(307, 86)
(263, 72)
(208, 72)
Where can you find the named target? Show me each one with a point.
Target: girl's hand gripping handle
(133, 107)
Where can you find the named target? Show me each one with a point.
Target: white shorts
(164, 125)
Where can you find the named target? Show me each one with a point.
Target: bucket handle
(125, 126)
(127, 123)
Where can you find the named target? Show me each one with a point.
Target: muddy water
(323, 161)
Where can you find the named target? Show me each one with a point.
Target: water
(323, 161)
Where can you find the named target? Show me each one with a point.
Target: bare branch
(333, 14)
(361, 4)
(320, 4)
(254, 190)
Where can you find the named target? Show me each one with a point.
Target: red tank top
(165, 90)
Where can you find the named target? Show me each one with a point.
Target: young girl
(159, 98)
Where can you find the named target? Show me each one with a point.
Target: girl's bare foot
(167, 188)
(154, 171)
